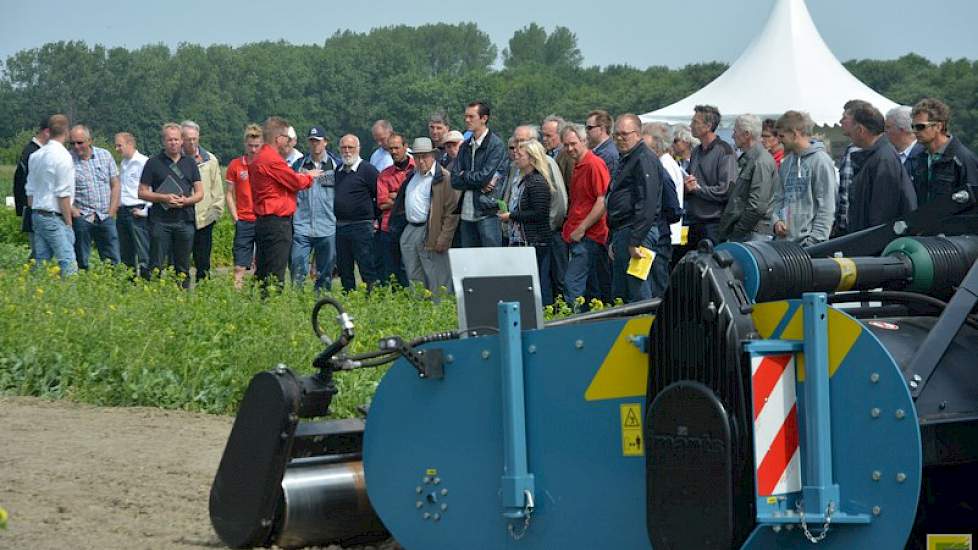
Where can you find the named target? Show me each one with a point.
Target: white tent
(787, 66)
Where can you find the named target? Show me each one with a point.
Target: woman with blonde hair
(529, 209)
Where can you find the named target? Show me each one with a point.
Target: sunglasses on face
(921, 126)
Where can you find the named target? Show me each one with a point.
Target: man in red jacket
(273, 186)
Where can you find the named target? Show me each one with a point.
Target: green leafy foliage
(101, 338)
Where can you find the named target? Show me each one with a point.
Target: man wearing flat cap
(423, 212)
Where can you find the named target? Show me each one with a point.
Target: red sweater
(274, 184)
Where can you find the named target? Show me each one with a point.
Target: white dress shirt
(905, 154)
(417, 202)
(676, 174)
(129, 173)
(50, 176)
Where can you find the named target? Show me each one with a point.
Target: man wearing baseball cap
(314, 223)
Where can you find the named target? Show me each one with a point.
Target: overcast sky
(638, 33)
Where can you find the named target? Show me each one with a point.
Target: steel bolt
(532, 349)
(776, 528)
(913, 385)
(417, 489)
(485, 354)
(444, 507)
(426, 480)
(876, 510)
(874, 378)
(449, 358)
(436, 517)
(900, 414)
(789, 527)
(265, 522)
(444, 492)
(418, 504)
(917, 378)
(900, 227)
(901, 477)
(875, 412)
(437, 480)
(426, 515)
(579, 344)
(877, 475)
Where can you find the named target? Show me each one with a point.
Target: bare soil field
(77, 476)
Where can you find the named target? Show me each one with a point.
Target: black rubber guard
(248, 483)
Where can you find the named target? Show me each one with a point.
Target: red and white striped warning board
(777, 457)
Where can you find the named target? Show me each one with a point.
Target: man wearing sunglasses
(97, 195)
(945, 165)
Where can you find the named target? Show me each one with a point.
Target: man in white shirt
(381, 158)
(50, 192)
(131, 219)
(898, 131)
(294, 154)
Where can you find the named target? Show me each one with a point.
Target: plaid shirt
(92, 182)
(846, 173)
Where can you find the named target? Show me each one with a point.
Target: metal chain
(825, 526)
(527, 511)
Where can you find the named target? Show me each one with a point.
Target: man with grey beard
(355, 207)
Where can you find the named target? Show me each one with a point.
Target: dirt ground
(76, 476)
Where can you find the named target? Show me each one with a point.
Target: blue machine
(748, 412)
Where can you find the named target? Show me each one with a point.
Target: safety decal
(784, 320)
(631, 429)
(777, 456)
(949, 542)
(625, 370)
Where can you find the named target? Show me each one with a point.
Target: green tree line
(400, 73)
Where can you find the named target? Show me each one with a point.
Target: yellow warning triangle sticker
(631, 421)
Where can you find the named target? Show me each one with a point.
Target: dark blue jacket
(955, 170)
(472, 173)
(635, 193)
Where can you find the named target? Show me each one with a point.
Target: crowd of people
(596, 201)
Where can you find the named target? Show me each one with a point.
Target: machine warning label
(949, 542)
(631, 430)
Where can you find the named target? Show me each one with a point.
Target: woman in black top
(530, 215)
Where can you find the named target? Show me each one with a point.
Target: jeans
(599, 283)
(355, 243)
(273, 241)
(584, 257)
(660, 266)
(171, 240)
(483, 233)
(203, 242)
(624, 286)
(106, 240)
(389, 258)
(558, 263)
(53, 239)
(133, 240)
(325, 248)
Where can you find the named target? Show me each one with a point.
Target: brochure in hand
(170, 186)
(640, 267)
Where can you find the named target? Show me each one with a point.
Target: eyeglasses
(623, 135)
(921, 126)
(590, 127)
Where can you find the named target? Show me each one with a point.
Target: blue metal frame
(517, 481)
(820, 491)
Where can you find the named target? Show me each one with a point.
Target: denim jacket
(314, 215)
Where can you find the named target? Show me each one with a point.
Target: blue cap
(317, 132)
